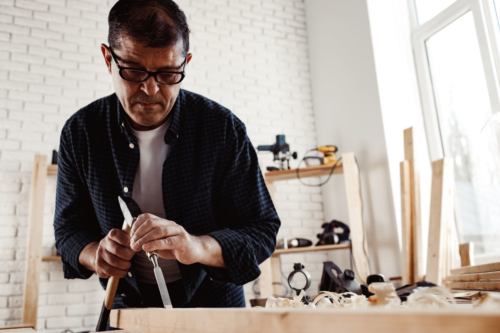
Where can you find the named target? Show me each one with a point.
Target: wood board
(483, 285)
(441, 218)
(493, 267)
(466, 251)
(411, 156)
(34, 242)
(303, 320)
(406, 225)
(474, 277)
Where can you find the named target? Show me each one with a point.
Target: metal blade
(130, 209)
(165, 297)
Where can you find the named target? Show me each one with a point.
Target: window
(457, 59)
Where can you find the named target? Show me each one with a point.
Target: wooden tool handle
(110, 293)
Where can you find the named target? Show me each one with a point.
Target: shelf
(279, 252)
(312, 171)
(51, 258)
(52, 170)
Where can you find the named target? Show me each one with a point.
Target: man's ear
(107, 56)
(189, 56)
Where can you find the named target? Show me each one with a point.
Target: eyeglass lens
(139, 76)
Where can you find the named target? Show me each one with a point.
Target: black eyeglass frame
(154, 74)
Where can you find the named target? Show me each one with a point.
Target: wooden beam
(473, 277)
(416, 221)
(279, 252)
(406, 225)
(477, 269)
(483, 285)
(467, 254)
(34, 241)
(305, 320)
(359, 243)
(276, 276)
(441, 217)
(312, 171)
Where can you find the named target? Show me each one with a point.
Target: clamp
(299, 268)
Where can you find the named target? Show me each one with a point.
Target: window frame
(488, 36)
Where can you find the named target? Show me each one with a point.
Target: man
(185, 159)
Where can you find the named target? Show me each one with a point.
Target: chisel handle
(111, 287)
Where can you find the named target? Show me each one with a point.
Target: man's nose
(150, 86)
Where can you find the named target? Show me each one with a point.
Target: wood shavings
(435, 297)
(385, 294)
(489, 301)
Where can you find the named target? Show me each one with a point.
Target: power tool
(328, 157)
(281, 152)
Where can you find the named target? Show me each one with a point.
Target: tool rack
(271, 270)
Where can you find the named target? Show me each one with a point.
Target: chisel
(131, 211)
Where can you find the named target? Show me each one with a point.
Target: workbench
(259, 320)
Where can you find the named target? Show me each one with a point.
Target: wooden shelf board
(279, 252)
(312, 171)
(52, 170)
(51, 258)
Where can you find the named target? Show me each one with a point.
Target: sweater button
(129, 274)
(125, 189)
(131, 145)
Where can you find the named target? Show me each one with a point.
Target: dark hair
(153, 23)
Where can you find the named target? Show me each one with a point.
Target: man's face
(146, 103)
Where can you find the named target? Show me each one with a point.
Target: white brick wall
(249, 55)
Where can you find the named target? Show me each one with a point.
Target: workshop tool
(281, 152)
(334, 232)
(335, 281)
(328, 157)
(299, 268)
(131, 211)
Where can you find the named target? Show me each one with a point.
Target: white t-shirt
(149, 196)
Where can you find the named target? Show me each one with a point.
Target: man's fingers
(123, 252)
(147, 233)
(105, 270)
(168, 243)
(115, 261)
(140, 220)
(120, 237)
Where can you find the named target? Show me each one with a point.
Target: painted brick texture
(249, 55)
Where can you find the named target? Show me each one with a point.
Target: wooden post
(441, 217)
(34, 248)
(266, 279)
(416, 220)
(406, 230)
(355, 211)
(467, 254)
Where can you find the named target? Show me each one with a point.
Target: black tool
(299, 268)
(281, 152)
(335, 281)
(334, 232)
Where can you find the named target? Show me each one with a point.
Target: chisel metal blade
(165, 297)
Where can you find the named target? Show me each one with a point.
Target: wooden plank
(477, 269)
(266, 279)
(441, 215)
(18, 328)
(51, 258)
(34, 241)
(276, 276)
(416, 221)
(483, 285)
(359, 243)
(474, 277)
(467, 254)
(279, 252)
(52, 170)
(301, 320)
(406, 226)
(312, 171)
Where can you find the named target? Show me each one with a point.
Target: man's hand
(110, 257)
(171, 241)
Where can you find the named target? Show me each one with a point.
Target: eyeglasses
(141, 75)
